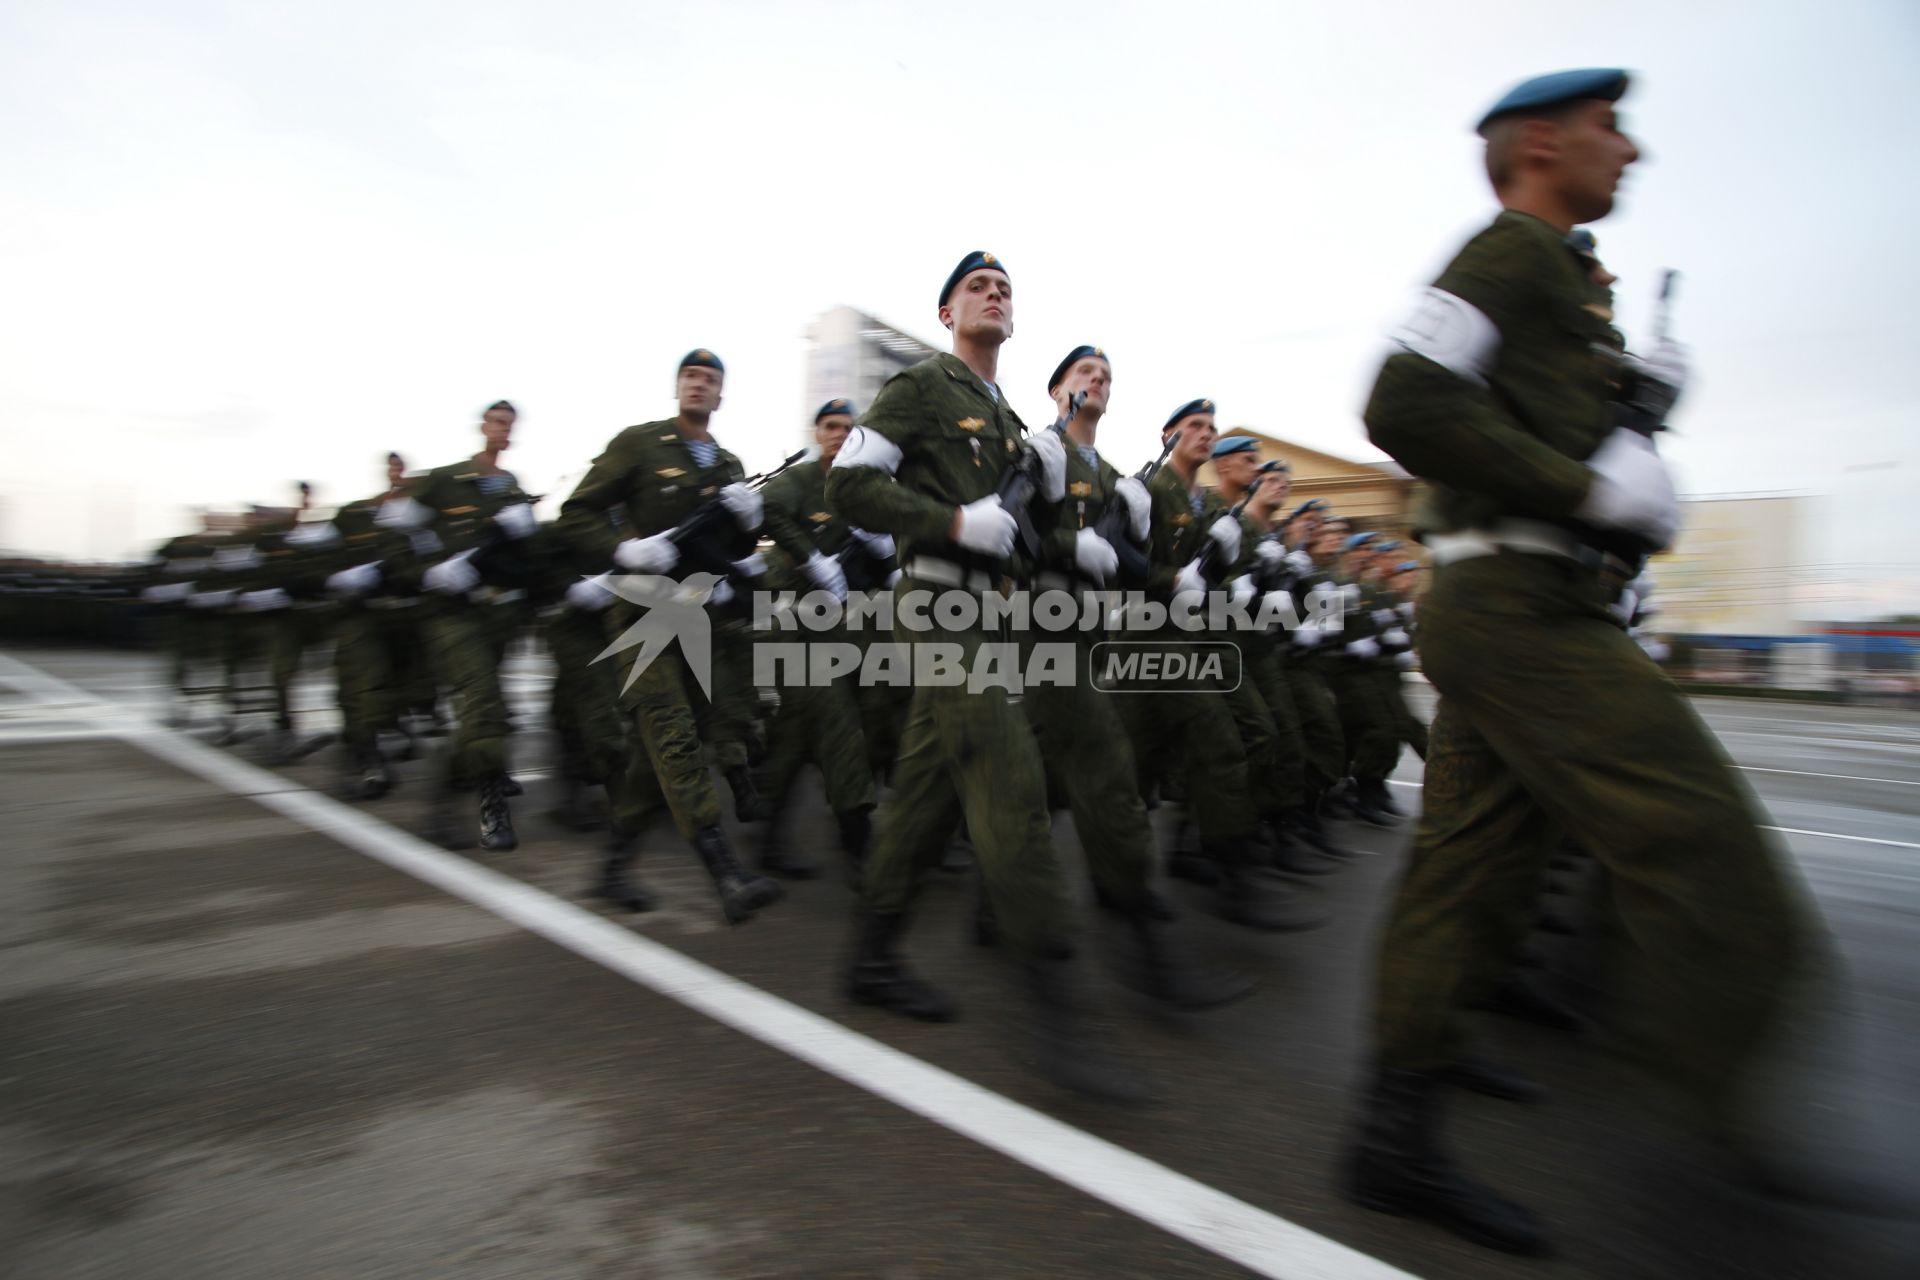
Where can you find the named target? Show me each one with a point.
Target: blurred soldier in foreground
(1549, 714)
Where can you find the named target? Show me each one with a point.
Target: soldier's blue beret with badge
(1235, 444)
(1309, 506)
(839, 404)
(1386, 547)
(1356, 541)
(1272, 465)
(1187, 410)
(1544, 92)
(978, 260)
(1074, 357)
(701, 358)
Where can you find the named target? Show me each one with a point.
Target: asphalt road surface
(249, 1031)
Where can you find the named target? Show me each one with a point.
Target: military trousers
(1323, 745)
(465, 640)
(820, 725)
(666, 711)
(969, 754)
(584, 706)
(1365, 723)
(1552, 719)
(1080, 736)
(365, 647)
(1197, 729)
(1278, 776)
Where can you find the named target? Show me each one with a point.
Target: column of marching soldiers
(424, 586)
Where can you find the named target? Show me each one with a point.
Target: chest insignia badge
(671, 473)
(971, 424)
(1080, 489)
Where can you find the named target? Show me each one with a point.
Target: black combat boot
(880, 978)
(1305, 823)
(1153, 964)
(856, 837)
(496, 820)
(1477, 1075)
(746, 796)
(1292, 855)
(1366, 803)
(615, 886)
(1396, 1166)
(367, 775)
(741, 894)
(510, 786)
(1260, 902)
(1065, 1051)
(777, 856)
(1383, 798)
(443, 826)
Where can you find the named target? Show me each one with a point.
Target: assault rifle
(1115, 526)
(1210, 554)
(1021, 480)
(710, 539)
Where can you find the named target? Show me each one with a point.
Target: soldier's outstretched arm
(583, 524)
(1431, 406)
(861, 487)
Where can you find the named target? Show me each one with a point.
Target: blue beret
(978, 260)
(1235, 444)
(839, 404)
(1187, 410)
(1388, 546)
(1581, 241)
(1556, 90)
(1074, 357)
(1274, 464)
(1407, 566)
(1311, 504)
(1357, 540)
(701, 358)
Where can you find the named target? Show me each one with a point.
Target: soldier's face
(1593, 154)
(830, 433)
(1236, 469)
(1327, 539)
(496, 427)
(698, 389)
(980, 306)
(1196, 438)
(1091, 375)
(1278, 487)
(396, 471)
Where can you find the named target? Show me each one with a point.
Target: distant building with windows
(852, 354)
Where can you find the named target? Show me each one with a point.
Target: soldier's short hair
(500, 404)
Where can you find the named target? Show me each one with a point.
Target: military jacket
(1515, 446)
(954, 438)
(798, 518)
(646, 481)
(1090, 487)
(1176, 534)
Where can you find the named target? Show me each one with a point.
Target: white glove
(1632, 489)
(744, 503)
(1270, 554)
(1663, 376)
(517, 519)
(878, 545)
(1622, 608)
(1241, 590)
(1384, 617)
(987, 528)
(403, 513)
(1139, 506)
(827, 575)
(1404, 661)
(1405, 608)
(893, 579)
(262, 601)
(722, 593)
(1649, 607)
(1364, 647)
(1095, 556)
(210, 599)
(1190, 581)
(1300, 562)
(167, 592)
(234, 558)
(1053, 464)
(750, 567)
(358, 580)
(1395, 638)
(647, 555)
(1308, 635)
(1226, 532)
(590, 595)
(313, 536)
(454, 577)
(425, 542)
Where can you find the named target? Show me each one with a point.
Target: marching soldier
(924, 466)
(1498, 396)
(624, 513)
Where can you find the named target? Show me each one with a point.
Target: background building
(853, 354)
(1374, 495)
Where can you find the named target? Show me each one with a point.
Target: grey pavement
(230, 1046)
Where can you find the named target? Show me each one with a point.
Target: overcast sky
(248, 243)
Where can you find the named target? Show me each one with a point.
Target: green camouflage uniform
(1551, 716)
(962, 754)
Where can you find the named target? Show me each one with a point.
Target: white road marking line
(1260, 1241)
(1839, 777)
(1835, 835)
